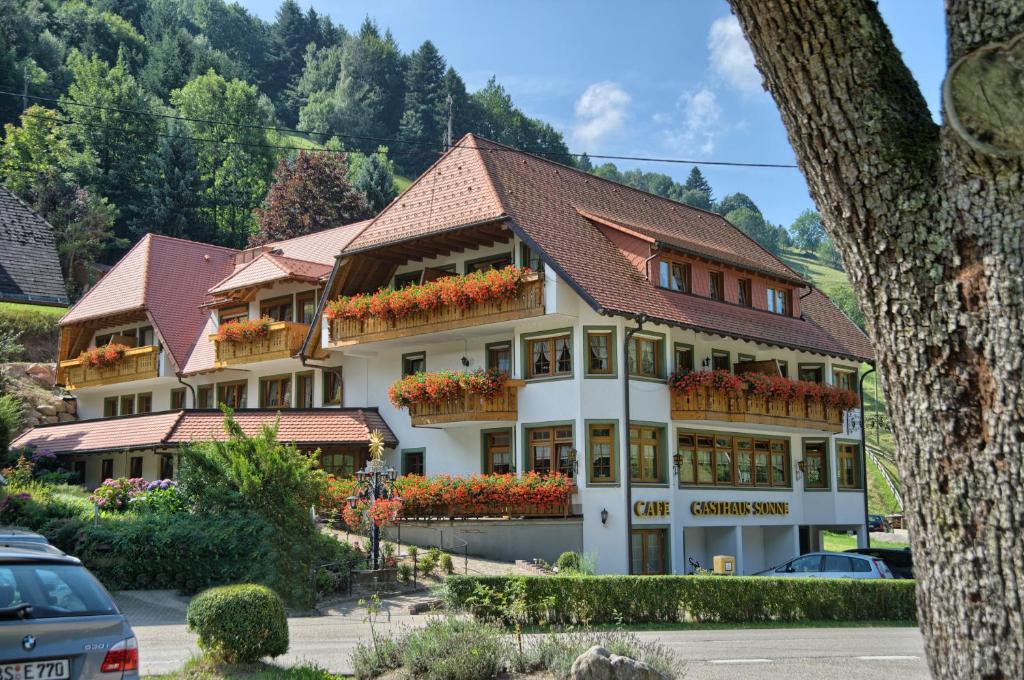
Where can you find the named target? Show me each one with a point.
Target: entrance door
(498, 452)
(649, 551)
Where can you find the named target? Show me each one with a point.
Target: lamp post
(375, 482)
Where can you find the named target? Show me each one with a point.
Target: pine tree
(290, 35)
(584, 163)
(174, 191)
(424, 120)
(697, 182)
(375, 179)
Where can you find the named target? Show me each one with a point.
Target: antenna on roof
(448, 138)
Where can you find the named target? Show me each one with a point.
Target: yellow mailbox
(725, 565)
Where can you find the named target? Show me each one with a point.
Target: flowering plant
(438, 386)
(15, 507)
(244, 330)
(479, 494)
(161, 496)
(460, 291)
(685, 382)
(115, 494)
(106, 355)
(769, 386)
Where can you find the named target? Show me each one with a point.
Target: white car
(830, 565)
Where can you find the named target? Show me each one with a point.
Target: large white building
(629, 289)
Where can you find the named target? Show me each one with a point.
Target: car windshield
(43, 590)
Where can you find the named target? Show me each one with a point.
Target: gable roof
(557, 211)
(29, 267)
(307, 258)
(313, 427)
(166, 278)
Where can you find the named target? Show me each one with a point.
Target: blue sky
(650, 78)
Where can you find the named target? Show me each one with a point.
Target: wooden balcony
(707, 403)
(282, 341)
(470, 408)
(529, 301)
(139, 363)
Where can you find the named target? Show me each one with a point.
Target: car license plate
(52, 669)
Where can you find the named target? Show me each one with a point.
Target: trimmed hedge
(732, 599)
(240, 623)
(181, 551)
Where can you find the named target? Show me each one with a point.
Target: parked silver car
(57, 622)
(829, 565)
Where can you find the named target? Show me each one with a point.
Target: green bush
(569, 561)
(454, 649)
(734, 599)
(376, 658)
(10, 420)
(35, 328)
(263, 477)
(427, 565)
(240, 623)
(447, 566)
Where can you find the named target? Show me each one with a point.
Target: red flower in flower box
(106, 355)
(244, 330)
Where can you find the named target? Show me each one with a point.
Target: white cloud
(700, 123)
(600, 111)
(731, 57)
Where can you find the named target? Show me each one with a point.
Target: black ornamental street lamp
(375, 482)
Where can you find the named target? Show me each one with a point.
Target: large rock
(47, 409)
(593, 664)
(43, 374)
(597, 663)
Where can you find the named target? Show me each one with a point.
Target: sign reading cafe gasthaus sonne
(738, 508)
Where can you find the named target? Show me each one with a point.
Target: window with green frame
(333, 386)
(414, 362)
(601, 457)
(646, 454)
(645, 356)
(682, 360)
(549, 357)
(815, 464)
(600, 346)
(414, 461)
(721, 360)
(722, 459)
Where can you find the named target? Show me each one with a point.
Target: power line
(393, 140)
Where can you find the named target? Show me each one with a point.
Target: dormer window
(716, 285)
(778, 301)
(674, 275)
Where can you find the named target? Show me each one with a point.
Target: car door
(807, 565)
(837, 566)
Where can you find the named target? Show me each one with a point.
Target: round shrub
(569, 561)
(240, 623)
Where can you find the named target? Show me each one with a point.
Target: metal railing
(874, 453)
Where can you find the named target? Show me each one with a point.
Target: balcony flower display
(460, 291)
(244, 330)
(477, 495)
(107, 355)
(773, 387)
(437, 386)
(383, 512)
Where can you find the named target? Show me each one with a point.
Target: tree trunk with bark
(930, 222)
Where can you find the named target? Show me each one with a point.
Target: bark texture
(932, 232)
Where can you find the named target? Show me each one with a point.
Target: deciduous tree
(808, 231)
(310, 193)
(929, 220)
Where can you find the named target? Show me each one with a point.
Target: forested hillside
(171, 115)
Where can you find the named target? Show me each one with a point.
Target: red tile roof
(300, 426)
(321, 247)
(167, 278)
(108, 434)
(556, 209)
(172, 428)
(269, 268)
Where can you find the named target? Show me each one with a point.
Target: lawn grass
(16, 308)
(881, 501)
(402, 183)
(837, 542)
(822, 275)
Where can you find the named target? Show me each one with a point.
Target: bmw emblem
(28, 642)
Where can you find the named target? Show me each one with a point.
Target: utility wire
(391, 140)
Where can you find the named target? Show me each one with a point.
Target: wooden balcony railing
(138, 363)
(529, 301)
(282, 341)
(708, 403)
(470, 408)
(411, 512)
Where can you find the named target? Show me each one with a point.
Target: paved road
(761, 654)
